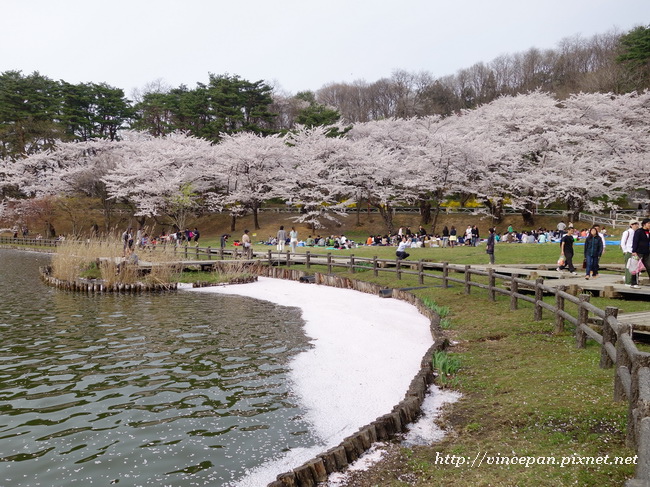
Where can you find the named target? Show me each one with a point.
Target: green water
(175, 389)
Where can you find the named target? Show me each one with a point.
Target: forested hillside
(233, 145)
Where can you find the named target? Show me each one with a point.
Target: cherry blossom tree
(251, 164)
(166, 176)
(315, 179)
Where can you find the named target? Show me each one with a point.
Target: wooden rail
(617, 349)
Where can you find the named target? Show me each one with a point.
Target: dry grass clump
(234, 271)
(104, 259)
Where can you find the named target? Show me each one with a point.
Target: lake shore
(366, 350)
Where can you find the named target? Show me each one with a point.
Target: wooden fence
(618, 350)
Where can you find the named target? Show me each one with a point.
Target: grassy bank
(527, 392)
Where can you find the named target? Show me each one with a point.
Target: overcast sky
(296, 44)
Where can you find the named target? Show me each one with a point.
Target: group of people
(635, 243)
(594, 246)
(143, 240)
(284, 238)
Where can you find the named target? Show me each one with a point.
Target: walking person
(282, 238)
(631, 280)
(491, 240)
(445, 237)
(593, 251)
(224, 240)
(566, 250)
(641, 245)
(475, 236)
(246, 242)
(293, 239)
(453, 237)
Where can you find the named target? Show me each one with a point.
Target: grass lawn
(527, 392)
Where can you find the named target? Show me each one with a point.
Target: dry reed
(74, 257)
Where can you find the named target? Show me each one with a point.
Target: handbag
(633, 265)
(561, 261)
(640, 267)
(584, 263)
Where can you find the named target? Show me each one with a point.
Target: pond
(177, 389)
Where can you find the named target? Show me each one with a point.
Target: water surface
(175, 389)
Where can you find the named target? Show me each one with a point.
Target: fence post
(445, 274)
(398, 268)
(420, 272)
(539, 298)
(468, 280)
(609, 337)
(643, 464)
(209, 251)
(559, 304)
(622, 360)
(329, 262)
(270, 257)
(583, 317)
(288, 258)
(185, 252)
(492, 283)
(375, 270)
(514, 289)
(308, 259)
(221, 253)
(351, 264)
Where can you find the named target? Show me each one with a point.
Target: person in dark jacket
(491, 240)
(593, 251)
(641, 245)
(566, 249)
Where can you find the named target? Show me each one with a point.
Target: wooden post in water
(583, 317)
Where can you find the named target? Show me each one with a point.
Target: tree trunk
(256, 222)
(496, 210)
(233, 223)
(528, 215)
(386, 213)
(425, 211)
(574, 207)
(436, 214)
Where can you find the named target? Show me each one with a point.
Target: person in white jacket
(626, 247)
